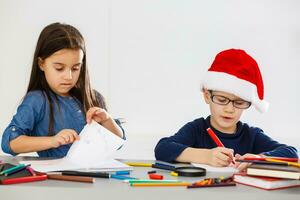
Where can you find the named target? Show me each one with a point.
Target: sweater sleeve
(169, 148)
(269, 147)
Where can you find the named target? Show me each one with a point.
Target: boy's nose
(229, 107)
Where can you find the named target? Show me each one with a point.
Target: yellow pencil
(174, 174)
(159, 184)
(139, 164)
(295, 164)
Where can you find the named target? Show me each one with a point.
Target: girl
(59, 99)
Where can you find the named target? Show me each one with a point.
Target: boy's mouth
(227, 118)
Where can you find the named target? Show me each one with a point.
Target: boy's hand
(220, 157)
(242, 166)
(97, 114)
(65, 136)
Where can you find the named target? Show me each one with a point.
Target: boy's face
(224, 117)
(62, 70)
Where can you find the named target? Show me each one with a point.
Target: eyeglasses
(221, 100)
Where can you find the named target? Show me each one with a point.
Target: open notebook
(93, 152)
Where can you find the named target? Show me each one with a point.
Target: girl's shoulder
(100, 99)
(35, 97)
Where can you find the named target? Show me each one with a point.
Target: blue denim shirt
(32, 119)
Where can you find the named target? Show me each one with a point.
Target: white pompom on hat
(234, 71)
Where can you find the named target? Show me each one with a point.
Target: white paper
(216, 169)
(93, 151)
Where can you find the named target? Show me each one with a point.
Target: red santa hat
(236, 72)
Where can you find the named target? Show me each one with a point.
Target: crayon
(156, 176)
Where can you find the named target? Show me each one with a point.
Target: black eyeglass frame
(212, 97)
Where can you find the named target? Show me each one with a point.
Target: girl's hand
(65, 136)
(242, 166)
(97, 114)
(220, 156)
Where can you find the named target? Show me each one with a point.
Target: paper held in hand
(93, 152)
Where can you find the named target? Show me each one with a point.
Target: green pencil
(7, 171)
(152, 181)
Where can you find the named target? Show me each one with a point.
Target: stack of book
(270, 173)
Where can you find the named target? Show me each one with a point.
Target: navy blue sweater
(246, 140)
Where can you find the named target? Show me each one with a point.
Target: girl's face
(223, 117)
(62, 70)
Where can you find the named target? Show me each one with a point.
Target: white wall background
(147, 58)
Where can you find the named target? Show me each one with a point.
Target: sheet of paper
(96, 145)
(63, 164)
(216, 169)
(93, 151)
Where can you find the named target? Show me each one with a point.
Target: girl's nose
(68, 74)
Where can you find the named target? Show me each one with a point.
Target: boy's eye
(221, 99)
(239, 103)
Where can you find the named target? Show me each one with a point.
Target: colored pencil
(120, 177)
(31, 171)
(294, 164)
(71, 178)
(139, 164)
(24, 179)
(277, 158)
(12, 169)
(262, 162)
(87, 174)
(16, 170)
(215, 138)
(159, 184)
(152, 181)
(212, 185)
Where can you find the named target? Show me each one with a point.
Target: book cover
(276, 171)
(266, 183)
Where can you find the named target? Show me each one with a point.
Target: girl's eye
(75, 68)
(59, 69)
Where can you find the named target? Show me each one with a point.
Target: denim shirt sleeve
(28, 114)
(118, 121)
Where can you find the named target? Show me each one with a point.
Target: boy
(232, 84)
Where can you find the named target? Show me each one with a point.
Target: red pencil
(24, 179)
(215, 138)
(31, 171)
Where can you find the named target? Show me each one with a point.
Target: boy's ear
(41, 63)
(206, 95)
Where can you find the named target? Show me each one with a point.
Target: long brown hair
(53, 38)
